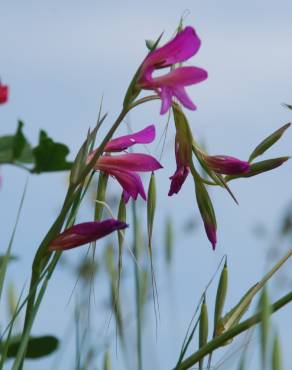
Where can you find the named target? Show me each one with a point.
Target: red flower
(3, 93)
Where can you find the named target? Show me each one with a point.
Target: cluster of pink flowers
(125, 167)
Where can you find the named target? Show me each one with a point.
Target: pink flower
(182, 155)
(185, 44)
(183, 150)
(84, 233)
(3, 93)
(124, 167)
(227, 165)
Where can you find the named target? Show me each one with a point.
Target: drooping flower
(227, 165)
(184, 45)
(84, 233)
(3, 93)
(125, 167)
(183, 150)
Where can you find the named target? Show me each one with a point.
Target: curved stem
(144, 100)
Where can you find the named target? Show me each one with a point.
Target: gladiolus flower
(84, 233)
(3, 93)
(185, 44)
(227, 165)
(124, 167)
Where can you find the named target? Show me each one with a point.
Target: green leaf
(107, 361)
(151, 205)
(37, 346)
(268, 142)
(50, 156)
(15, 147)
(265, 323)
(220, 297)
(203, 329)
(276, 355)
(19, 141)
(168, 240)
(6, 144)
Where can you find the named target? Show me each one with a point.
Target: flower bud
(207, 211)
(226, 165)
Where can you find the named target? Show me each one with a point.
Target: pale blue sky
(59, 58)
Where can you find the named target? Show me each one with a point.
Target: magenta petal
(177, 180)
(131, 183)
(85, 233)
(184, 45)
(166, 99)
(182, 96)
(128, 162)
(182, 76)
(145, 136)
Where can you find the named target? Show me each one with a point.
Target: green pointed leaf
(151, 205)
(260, 167)
(276, 356)
(107, 361)
(268, 142)
(205, 204)
(220, 297)
(203, 329)
(122, 216)
(50, 156)
(100, 195)
(168, 240)
(37, 346)
(265, 323)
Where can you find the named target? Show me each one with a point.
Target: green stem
(223, 338)
(144, 100)
(137, 286)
